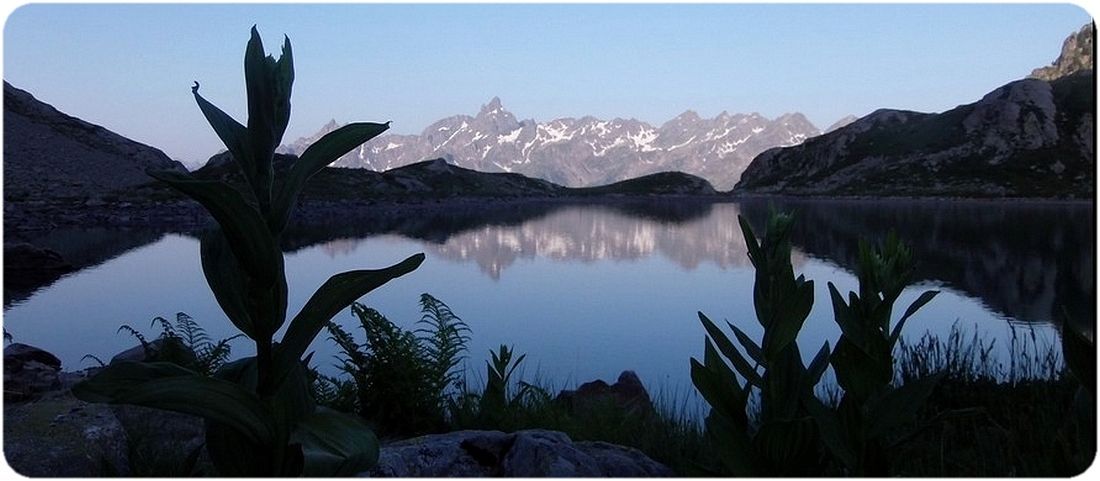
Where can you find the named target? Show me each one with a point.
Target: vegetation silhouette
(260, 418)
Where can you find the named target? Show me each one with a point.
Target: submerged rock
(529, 453)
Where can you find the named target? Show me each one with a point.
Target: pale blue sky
(129, 67)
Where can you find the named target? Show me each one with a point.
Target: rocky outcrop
(58, 435)
(1077, 54)
(529, 453)
(627, 394)
(29, 371)
(48, 154)
(1029, 138)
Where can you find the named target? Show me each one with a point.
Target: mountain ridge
(42, 142)
(1028, 138)
(584, 151)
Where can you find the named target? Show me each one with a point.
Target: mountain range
(1033, 137)
(586, 151)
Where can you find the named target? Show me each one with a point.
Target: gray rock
(1076, 55)
(530, 453)
(16, 354)
(60, 436)
(552, 454)
(626, 394)
(156, 351)
(29, 371)
(623, 462)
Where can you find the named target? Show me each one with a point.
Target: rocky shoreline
(50, 433)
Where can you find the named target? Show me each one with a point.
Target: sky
(129, 67)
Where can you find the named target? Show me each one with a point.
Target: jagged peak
(493, 106)
(689, 116)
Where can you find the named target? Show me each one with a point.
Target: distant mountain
(847, 119)
(49, 155)
(1077, 54)
(1029, 138)
(439, 179)
(585, 151)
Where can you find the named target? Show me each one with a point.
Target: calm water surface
(590, 291)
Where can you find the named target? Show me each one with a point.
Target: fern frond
(443, 336)
(94, 358)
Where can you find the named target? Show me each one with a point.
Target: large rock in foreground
(530, 453)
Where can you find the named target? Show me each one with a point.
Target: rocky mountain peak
(843, 122)
(494, 106)
(1076, 55)
(587, 151)
(688, 116)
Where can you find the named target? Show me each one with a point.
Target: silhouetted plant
(495, 402)
(784, 440)
(443, 336)
(183, 342)
(872, 408)
(403, 382)
(260, 418)
(1079, 429)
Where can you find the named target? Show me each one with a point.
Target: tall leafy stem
(259, 416)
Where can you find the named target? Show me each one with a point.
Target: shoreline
(183, 215)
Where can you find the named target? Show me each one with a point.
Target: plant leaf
(232, 133)
(924, 298)
(751, 348)
(898, 406)
(316, 157)
(844, 315)
(333, 296)
(226, 280)
(242, 224)
(818, 365)
(831, 431)
(335, 444)
(730, 352)
(163, 385)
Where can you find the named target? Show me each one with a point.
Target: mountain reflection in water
(1024, 260)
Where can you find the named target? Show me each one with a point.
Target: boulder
(160, 349)
(29, 371)
(529, 453)
(16, 354)
(627, 394)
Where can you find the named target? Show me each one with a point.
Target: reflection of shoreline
(80, 248)
(1025, 261)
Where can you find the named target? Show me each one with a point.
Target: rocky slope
(51, 155)
(1077, 54)
(1029, 138)
(585, 151)
(438, 178)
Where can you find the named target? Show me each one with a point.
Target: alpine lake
(587, 291)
